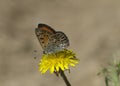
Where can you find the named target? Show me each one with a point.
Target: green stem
(106, 81)
(64, 78)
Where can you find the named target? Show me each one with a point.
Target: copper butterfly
(51, 41)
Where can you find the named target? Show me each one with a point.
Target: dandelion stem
(64, 78)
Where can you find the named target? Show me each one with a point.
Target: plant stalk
(64, 78)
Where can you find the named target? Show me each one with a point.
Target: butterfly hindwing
(60, 39)
(57, 42)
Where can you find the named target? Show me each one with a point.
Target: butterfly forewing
(43, 32)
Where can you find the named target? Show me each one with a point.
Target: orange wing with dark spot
(43, 32)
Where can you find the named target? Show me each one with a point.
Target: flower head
(57, 61)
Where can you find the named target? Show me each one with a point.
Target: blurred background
(92, 26)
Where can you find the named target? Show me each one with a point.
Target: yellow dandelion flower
(57, 61)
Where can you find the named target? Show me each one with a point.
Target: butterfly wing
(58, 42)
(50, 40)
(43, 32)
(61, 39)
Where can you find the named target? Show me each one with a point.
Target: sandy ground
(93, 28)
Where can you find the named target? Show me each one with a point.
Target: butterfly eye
(43, 42)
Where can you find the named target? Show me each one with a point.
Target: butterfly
(51, 41)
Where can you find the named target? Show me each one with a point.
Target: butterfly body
(51, 41)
